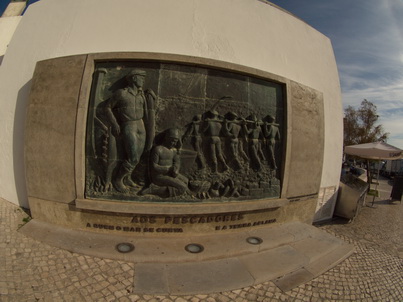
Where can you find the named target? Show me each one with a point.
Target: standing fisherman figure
(130, 113)
(254, 132)
(232, 128)
(212, 131)
(272, 134)
(193, 131)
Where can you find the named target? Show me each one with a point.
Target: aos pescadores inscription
(176, 133)
(179, 224)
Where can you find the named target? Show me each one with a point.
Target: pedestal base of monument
(288, 254)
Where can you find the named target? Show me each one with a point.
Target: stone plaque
(176, 133)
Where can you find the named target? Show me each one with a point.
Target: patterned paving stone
(31, 271)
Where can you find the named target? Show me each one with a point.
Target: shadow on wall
(326, 203)
(18, 144)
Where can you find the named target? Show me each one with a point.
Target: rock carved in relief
(132, 155)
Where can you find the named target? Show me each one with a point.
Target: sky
(3, 5)
(367, 39)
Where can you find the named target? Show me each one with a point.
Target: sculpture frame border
(167, 207)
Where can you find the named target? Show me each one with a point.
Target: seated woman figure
(165, 165)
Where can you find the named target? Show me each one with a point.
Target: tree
(360, 128)
(360, 125)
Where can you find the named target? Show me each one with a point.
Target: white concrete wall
(246, 32)
(14, 9)
(7, 29)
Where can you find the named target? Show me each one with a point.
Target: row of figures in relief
(223, 146)
(259, 135)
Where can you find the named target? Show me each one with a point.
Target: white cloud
(367, 37)
(370, 54)
(383, 95)
(371, 65)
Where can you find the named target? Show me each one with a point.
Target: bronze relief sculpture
(164, 132)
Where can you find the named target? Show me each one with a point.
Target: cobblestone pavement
(31, 271)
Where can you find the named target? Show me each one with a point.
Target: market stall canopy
(377, 150)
